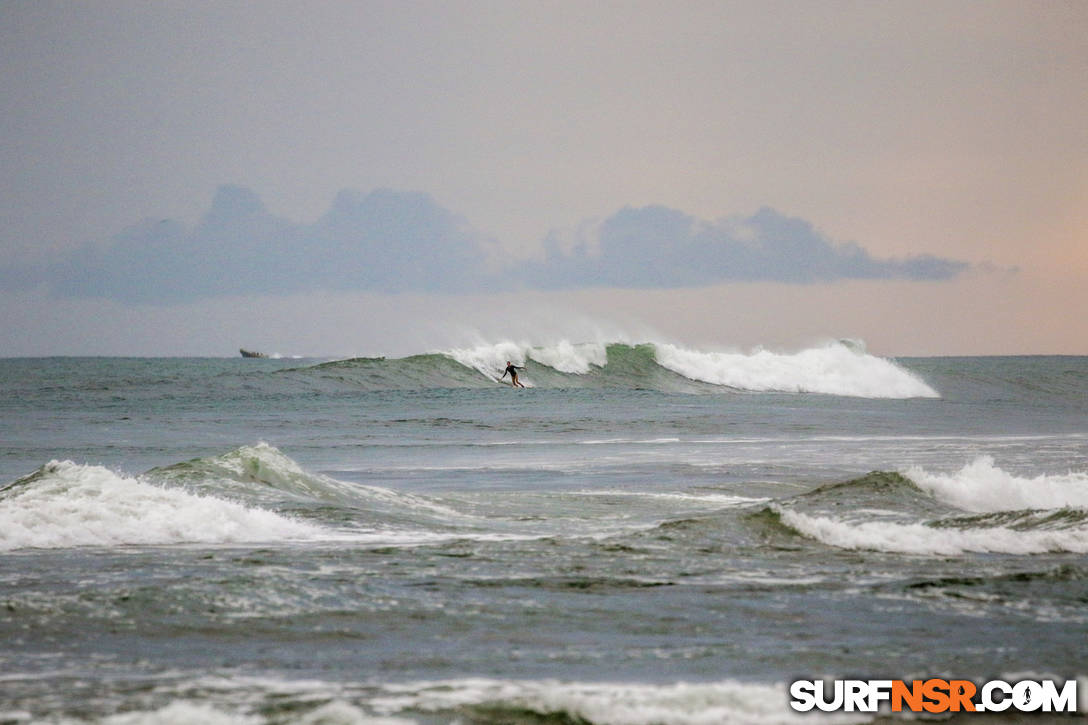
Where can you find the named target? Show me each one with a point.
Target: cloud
(655, 247)
(390, 241)
(383, 241)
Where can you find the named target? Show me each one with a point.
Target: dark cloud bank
(389, 241)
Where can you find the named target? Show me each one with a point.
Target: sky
(328, 178)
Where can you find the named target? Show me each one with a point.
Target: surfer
(513, 370)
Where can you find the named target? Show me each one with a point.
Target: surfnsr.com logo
(934, 696)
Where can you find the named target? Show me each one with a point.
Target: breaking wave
(1006, 514)
(64, 504)
(929, 538)
(839, 368)
(252, 494)
(836, 369)
(982, 486)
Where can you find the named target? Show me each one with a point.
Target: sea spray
(570, 358)
(489, 360)
(564, 356)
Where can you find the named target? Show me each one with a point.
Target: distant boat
(250, 353)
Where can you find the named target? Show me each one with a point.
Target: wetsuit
(513, 370)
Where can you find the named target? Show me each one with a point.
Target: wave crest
(838, 368)
(254, 473)
(265, 475)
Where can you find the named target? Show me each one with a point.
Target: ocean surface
(645, 534)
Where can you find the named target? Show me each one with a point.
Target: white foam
(983, 487)
(183, 713)
(834, 369)
(342, 713)
(564, 356)
(612, 703)
(77, 505)
(927, 540)
(714, 500)
(626, 441)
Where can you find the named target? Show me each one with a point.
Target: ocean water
(646, 534)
